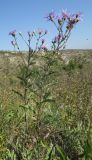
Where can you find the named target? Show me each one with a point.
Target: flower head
(65, 14)
(43, 47)
(13, 33)
(59, 19)
(73, 19)
(50, 16)
(40, 31)
(58, 38)
(78, 14)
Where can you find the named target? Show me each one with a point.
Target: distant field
(9, 65)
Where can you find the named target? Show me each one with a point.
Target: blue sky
(25, 15)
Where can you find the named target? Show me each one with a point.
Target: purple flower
(50, 16)
(71, 23)
(13, 33)
(40, 31)
(58, 38)
(43, 47)
(65, 14)
(72, 20)
(78, 14)
(59, 18)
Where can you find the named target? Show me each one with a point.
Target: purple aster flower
(43, 47)
(65, 14)
(40, 31)
(72, 20)
(55, 40)
(59, 18)
(13, 33)
(75, 17)
(50, 16)
(78, 14)
(58, 38)
(71, 23)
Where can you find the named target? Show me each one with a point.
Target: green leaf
(18, 93)
(61, 152)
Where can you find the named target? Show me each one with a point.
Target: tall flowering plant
(34, 80)
(14, 41)
(64, 24)
(36, 35)
(25, 75)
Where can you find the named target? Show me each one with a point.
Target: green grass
(59, 109)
